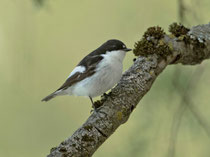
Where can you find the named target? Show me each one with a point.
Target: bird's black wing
(90, 63)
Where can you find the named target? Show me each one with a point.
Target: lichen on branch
(152, 43)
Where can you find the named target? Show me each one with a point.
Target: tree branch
(187, 48)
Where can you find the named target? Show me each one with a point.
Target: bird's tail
(49, 97)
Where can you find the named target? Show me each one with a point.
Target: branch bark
(134, 84)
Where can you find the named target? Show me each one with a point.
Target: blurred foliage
(185, 89)
(39, 2)
(189, 11)
(38, 50)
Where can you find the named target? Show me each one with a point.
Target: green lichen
(119, 115)
(88, 127)
(64, 143)
(62, 149)
(99, 103)
(76, 138)
(198, 49)
(143, 48)
(152, 43)
(155, 32)
(178, 29)
(87, 138)
(53, 149)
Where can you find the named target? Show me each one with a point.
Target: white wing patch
(79, 69)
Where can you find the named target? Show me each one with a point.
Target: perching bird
(96, 73)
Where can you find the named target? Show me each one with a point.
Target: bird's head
(115, 45)
(114, 49)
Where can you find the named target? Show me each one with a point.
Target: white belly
(108, 73)
(100, 82)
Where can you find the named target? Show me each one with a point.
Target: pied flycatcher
(96, 73)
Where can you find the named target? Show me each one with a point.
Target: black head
(114, 44)
(110, 45)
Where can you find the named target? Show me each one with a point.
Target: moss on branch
(152, 43)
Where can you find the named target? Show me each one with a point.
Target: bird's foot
(104, 96)
(95, 106)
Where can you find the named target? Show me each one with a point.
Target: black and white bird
(96, 73)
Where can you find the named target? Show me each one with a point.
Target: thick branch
(134, 84)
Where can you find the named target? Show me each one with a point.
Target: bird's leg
(91, 100)
(104, 95)
(92, 103)
(95, 105)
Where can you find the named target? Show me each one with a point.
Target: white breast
(108, 73)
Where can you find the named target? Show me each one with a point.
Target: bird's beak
(126, 50)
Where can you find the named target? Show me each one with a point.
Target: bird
(96, 73)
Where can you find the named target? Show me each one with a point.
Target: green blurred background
(40, 43)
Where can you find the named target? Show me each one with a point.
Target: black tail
(49, 97)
